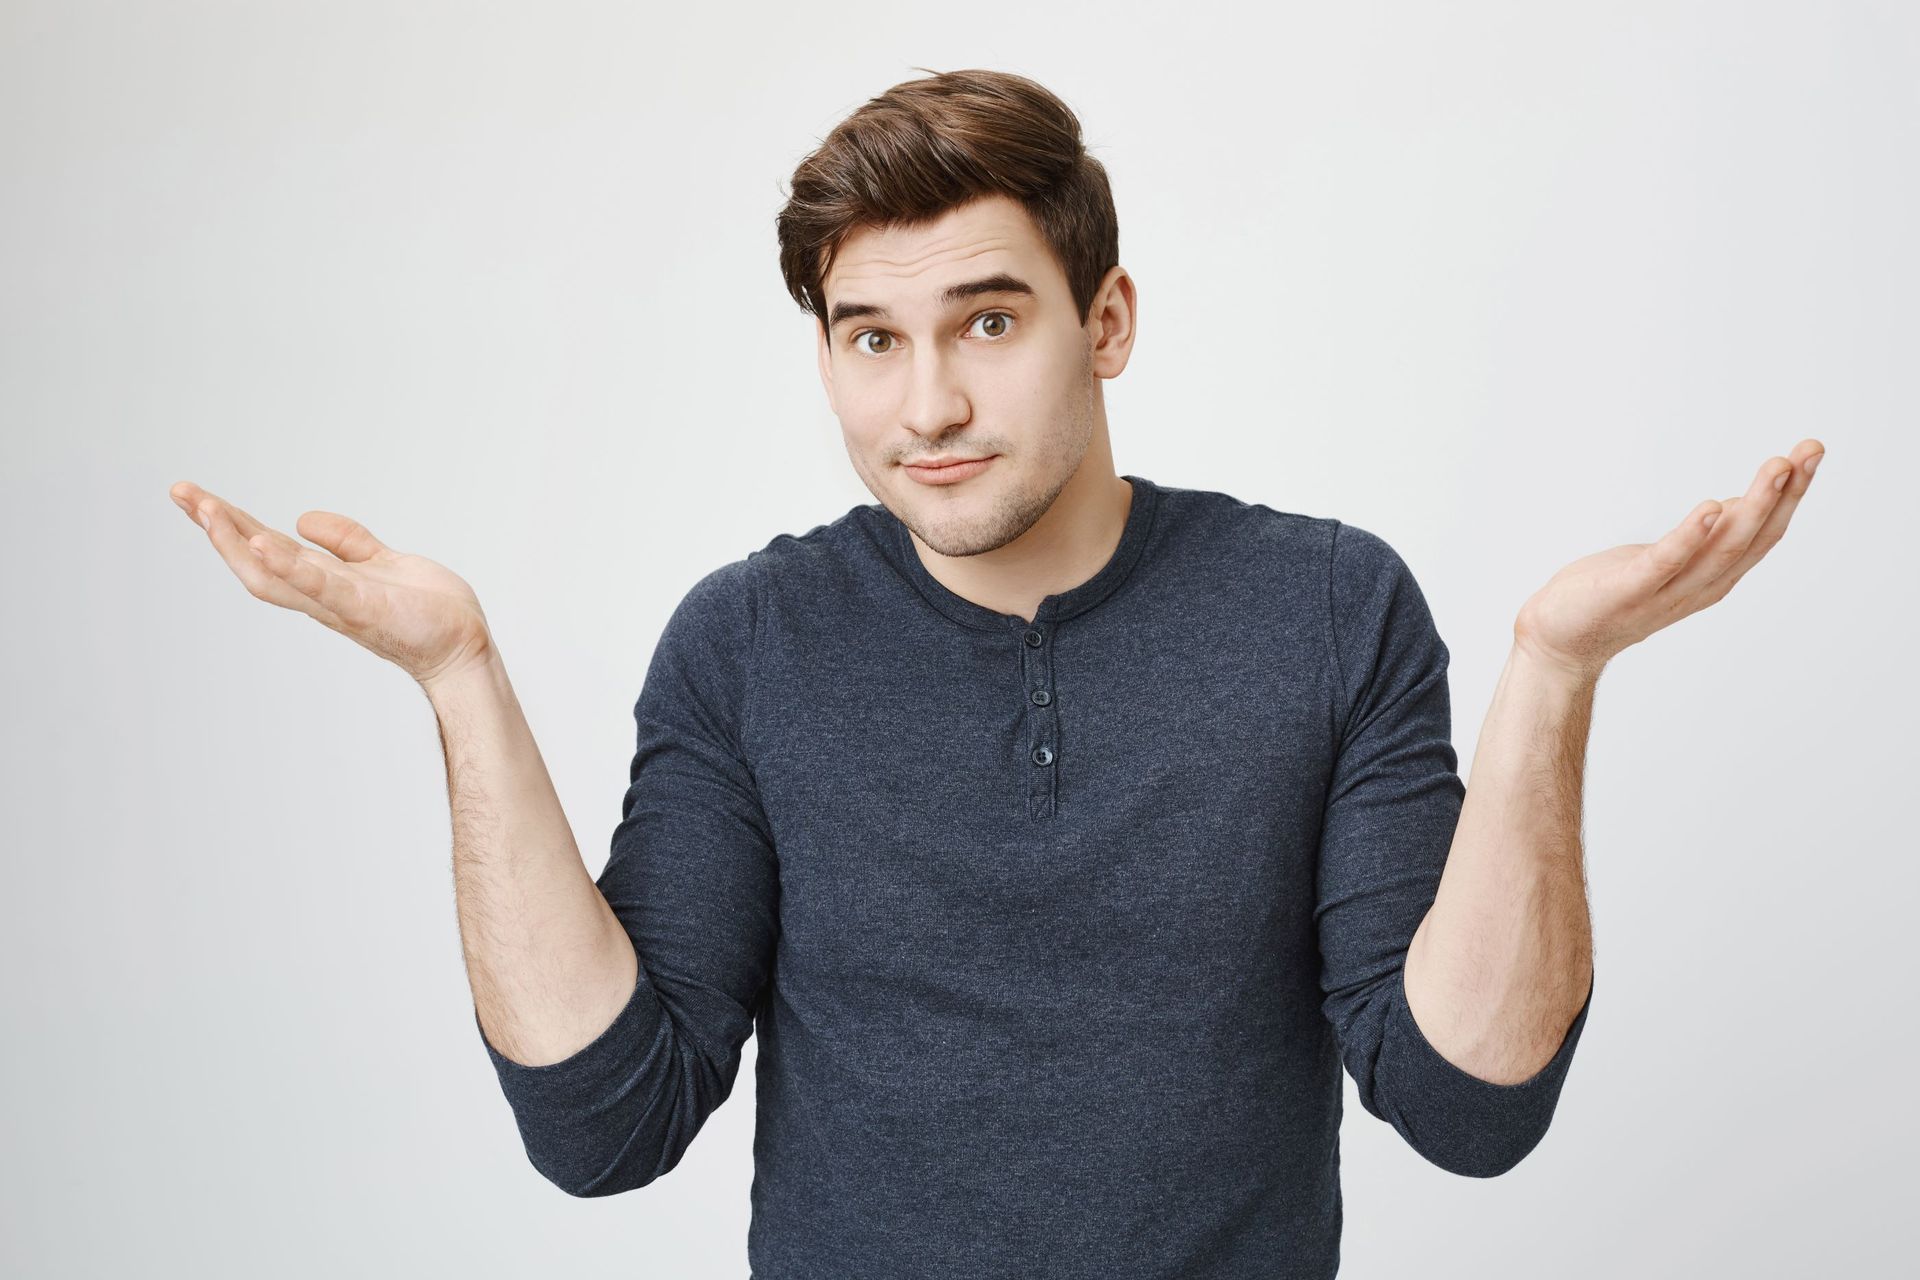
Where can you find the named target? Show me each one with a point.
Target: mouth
(950, 471)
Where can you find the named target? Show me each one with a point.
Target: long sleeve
(1393, 803)
(692, 877)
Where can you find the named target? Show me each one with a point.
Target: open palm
(1599, 605)
(413, 612)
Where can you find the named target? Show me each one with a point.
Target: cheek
(1049, 379)
(865, 435)
(862, 407)
(865, 398)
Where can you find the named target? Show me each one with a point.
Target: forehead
(992, 233)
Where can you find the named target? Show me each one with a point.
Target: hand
(407, 609)
(1595, 607)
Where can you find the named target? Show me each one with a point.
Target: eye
(1005, 319)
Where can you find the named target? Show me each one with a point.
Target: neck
(1065, 547)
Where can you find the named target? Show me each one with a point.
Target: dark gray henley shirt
(1055, 934)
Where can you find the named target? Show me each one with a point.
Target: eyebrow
(999, 282)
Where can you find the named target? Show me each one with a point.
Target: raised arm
(692, 889)
(1393, 807)
(613, 1011)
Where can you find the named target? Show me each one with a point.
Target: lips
(948, 472)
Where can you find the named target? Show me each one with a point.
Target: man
(1058, 832)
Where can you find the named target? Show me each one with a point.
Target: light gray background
(1504, 283)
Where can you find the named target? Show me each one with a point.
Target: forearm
(1503, 959)
(548, 961)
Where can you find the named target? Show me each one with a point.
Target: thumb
(342, 535)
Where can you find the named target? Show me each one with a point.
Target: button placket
(1042, 721)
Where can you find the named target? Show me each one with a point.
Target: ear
(825, 357)
(1112, 320)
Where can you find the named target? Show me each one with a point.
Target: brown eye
(998, 318)
(875, 333)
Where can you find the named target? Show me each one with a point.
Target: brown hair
(927, 145)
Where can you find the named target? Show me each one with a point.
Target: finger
(202, 503)
(260, 583)
(1671, 553)
(186, 495)
(1734, 531)
(199, 502)
(338, 596)
(346, 537)
(178, 492)
(1805, 456)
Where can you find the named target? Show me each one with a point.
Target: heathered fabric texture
(1055, 934)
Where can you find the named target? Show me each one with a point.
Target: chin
(982, 527)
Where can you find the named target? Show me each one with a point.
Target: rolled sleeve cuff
(596, 1072)
(1464, 1124)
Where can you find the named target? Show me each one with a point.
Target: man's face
(1002, 368)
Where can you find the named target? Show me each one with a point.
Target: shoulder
(1276, 549)
(718, 611)
(829, 548)
(1360, 560)
(726, 609)
(1378, 616)
(732, 592)
(1317, 573)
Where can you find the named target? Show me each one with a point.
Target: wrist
(478, 673)
(1563, 673)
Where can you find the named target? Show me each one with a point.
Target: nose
(934, 399)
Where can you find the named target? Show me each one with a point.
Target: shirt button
(1043, 755)
(1041, 697)
(1034, 639)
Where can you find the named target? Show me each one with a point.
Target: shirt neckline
(1058, 607)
